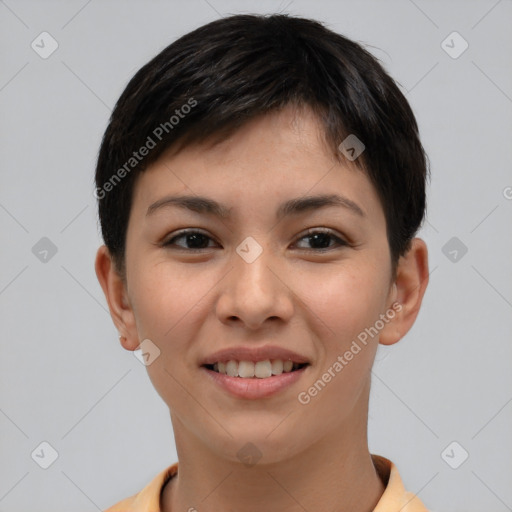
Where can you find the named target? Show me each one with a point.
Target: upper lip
(254, 354)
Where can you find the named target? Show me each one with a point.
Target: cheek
(164, 299)
(345, 300)
(169, 305)
(344, 305)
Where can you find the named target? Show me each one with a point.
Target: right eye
(192, 237)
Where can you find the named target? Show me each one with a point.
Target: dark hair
(212, 80)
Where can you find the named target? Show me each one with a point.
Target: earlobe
(116, 296)
(411, 282)
(125, 343)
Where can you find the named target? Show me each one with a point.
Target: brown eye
(320, 240)
(194, 240)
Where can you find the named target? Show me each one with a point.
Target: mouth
(254, 380)
(255, 369)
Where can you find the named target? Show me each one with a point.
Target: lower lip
(254, 388)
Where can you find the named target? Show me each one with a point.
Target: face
(309, 281)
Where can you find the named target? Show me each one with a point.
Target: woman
(260, 185)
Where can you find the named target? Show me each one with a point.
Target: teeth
(277, 366)
(232, 368)
(263, 369)
(260, 369)
(245, 369)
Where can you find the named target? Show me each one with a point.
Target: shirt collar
(394, 499)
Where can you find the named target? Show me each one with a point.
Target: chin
(253, 444)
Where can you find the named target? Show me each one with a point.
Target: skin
(191, 304)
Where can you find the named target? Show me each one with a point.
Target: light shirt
(394, 499)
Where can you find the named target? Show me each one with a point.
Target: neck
(334, 474)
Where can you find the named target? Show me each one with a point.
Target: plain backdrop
(441, 402)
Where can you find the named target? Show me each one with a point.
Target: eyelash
(310, 233)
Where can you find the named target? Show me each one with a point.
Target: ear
(407, 292)
(116, 294)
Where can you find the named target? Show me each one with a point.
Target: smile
(254, 387)
(256, 370)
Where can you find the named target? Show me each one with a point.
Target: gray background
(64, 377)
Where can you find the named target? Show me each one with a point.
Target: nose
(255, 292)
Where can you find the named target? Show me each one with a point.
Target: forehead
(275, 157)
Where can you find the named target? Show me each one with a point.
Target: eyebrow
(295, 206)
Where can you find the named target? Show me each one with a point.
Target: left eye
(320, 238)
(198, 240)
